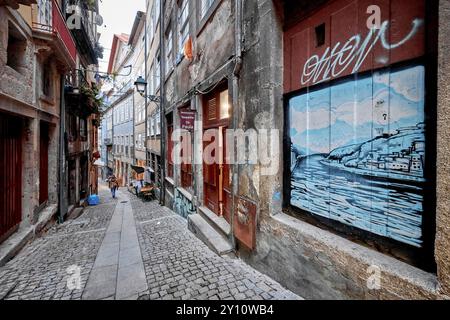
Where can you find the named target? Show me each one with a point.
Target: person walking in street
(113, 186)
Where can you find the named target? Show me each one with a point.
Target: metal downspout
(236, 110)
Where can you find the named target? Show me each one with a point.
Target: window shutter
(212, 109)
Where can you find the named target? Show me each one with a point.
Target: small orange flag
(188, 49)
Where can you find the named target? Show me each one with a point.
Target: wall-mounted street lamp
(141, 88)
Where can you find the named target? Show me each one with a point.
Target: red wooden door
(211, 183)
(10, 175)
(43, 164)
(225, 177)
(217, 186)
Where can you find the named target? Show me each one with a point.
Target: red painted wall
(401, 37)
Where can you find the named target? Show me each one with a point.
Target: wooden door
(225, 178)
(211, 183)
(43, 163)
(217, 185)
(10, 175)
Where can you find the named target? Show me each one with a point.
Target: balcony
(14, 4)
(50, 27)
(80, 16)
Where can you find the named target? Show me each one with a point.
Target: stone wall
(443, 154)
(21, 95)
(313, 262)
(16, 83)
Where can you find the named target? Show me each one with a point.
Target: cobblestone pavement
(180, 266)
(39, 271)
(177, 264)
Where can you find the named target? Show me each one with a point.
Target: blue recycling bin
(93, 200)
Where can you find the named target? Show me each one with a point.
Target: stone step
(77, 212)
(219, 223)
(210, 236)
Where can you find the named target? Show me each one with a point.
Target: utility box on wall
(245, 222)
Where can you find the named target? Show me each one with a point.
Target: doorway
(43, 163)
(217, 184)
(10, 175)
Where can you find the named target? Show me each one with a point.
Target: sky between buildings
(118, 17)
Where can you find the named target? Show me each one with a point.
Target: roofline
(140, 16)
(112, 55)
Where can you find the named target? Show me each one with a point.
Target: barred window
(206, 4)
(183, 25)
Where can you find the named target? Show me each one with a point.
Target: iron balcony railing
(76, 79)
(49, 18)
(84, 29)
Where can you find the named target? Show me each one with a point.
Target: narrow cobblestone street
(176, 265)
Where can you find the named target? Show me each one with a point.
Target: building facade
(153, 78)
(125, 64)
(82, 108)
(325, 103)
(40, 57)
(138, 42)
(36, 52)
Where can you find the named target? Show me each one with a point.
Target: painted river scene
(358, 153)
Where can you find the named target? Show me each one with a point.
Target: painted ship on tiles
(358, 152)
(400, 156)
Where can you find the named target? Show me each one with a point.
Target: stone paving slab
(179, 266)
(40, 270)
(118, 270)
(155, 257)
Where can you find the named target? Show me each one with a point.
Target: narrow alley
(130, 249)
(262, 150)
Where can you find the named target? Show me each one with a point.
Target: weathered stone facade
(21, 96)
(37, 52)
(311, 261)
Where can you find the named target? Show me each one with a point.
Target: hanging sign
(187, 120)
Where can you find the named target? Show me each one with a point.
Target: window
(152, 129)
(224, 105)
(217, 107)
(320, 35)
(17, 46)
(169, 48)
(156, 73)
(158, 123)
(142, 43)
(129, 105)
(139, 141)
(183, 26)
(83, 129)
(139, 115)
(206, 4)
(72, 127)
(143, 111)
(45, 13)
(47, 88)
(155, 14)
(151, 81)
(150, 30)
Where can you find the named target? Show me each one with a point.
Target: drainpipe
(162, 61)
(236, 110)
(133, 144)
(146, 92)
(61, 154)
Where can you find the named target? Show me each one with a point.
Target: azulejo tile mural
(358, 152)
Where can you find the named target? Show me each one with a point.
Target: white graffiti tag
(339, 59)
